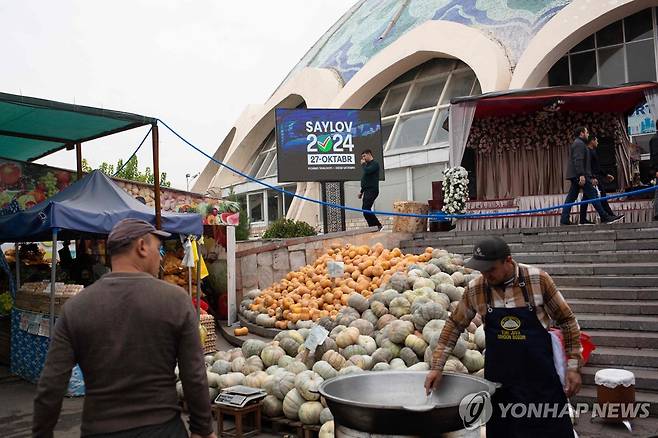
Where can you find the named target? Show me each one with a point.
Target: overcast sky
(194, 64)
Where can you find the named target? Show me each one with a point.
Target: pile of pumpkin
(291, 383)
(309, 294)
(396, 327)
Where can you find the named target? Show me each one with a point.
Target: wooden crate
(311, 431)
(283, 426)
(208, 322)
(407, 224)
(39, 303)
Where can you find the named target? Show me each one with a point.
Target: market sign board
(326, 144)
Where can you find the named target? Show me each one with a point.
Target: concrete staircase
(609, 276)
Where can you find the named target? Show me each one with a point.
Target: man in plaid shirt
(517, 303)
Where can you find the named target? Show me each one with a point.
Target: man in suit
(579, 173)
(599, 178)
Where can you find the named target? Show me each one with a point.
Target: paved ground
(16, 416)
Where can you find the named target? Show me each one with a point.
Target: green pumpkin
(399, 307)
(353, 350)
(271, 354)
(408, 356)
(252, 347)
(324, 370)
(291, 404)
(308, 384)
(309, 412)
(397, 331)
(370, 316)
(358, 302)
(283, 383)
(364, 327)
(272, 406)
(378, 308)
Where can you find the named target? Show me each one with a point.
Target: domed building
(409, 58)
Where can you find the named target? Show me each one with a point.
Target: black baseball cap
(129, 229)
(487, 252)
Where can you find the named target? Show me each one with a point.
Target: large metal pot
(394, 402)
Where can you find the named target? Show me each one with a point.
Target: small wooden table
(238, 413)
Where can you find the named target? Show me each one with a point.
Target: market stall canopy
(90, 206)
(32, 128)
(620, 99)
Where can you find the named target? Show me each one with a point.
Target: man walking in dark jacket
(369, 186)
(653, 149)
(599, 178)
(579, 172)
(127, 332)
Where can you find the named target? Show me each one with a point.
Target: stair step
(587, 394)
(617, 322)
(552, 247)
(620, 293)
(623, 338)
(645, 378)
(598, 257)
(634, 307)
(579, 235)
(601, 269)
(607, 281)
(619, 356)
(540, 230)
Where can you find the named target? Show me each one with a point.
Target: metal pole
(18, 266)
(189, 281)
(198, 283)
(156, 175)
(78, 159)
(53, 272)
(230, 275)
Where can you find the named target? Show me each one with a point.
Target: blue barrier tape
(134, 153)
(434, 216)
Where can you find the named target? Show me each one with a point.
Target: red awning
(620, 99)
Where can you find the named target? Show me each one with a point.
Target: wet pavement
(16, 398)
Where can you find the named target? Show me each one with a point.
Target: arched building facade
(409, 58)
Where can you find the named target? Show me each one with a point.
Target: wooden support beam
(78, 159)
(156, 175)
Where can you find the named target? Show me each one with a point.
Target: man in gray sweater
(127, 331)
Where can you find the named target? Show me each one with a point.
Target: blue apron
(519, 355)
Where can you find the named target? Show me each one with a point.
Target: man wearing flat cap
(127, 332)
(517, 303)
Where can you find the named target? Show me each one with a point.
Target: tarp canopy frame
(32, 128)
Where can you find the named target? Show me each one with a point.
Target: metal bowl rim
(491, 389)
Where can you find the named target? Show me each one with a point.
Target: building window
(264, 161)
(269, 205)
(255, 206)
(624, 51)
(415, 105)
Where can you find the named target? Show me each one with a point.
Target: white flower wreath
(455, 190)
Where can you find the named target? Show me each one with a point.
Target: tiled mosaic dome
(354, 39)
